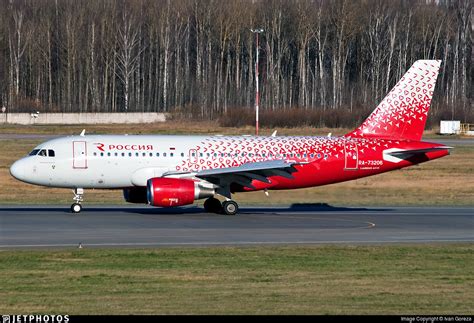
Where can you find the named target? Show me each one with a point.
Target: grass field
(446, 181)
(402, 279)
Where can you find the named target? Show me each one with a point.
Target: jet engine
(135, 195)
(166, 192)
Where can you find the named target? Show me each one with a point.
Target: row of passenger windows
(43, 152)
(116, 154)
(136, 154)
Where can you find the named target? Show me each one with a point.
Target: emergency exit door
(351, 156)
(79, 153)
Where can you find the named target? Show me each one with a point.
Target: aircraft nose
(18, 169)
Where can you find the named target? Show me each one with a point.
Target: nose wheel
(76, 207)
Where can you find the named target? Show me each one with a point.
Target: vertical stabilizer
(402, 113)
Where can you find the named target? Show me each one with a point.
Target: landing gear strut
(76, 207)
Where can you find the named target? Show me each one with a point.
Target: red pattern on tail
(402, 113)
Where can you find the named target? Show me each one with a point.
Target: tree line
(197, 57)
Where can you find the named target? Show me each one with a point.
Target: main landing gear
(213, 205)
(76, 207)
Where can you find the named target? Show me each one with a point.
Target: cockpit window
(43, 153)
(50, 153)
(34, 152)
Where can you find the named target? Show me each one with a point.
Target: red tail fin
(402, 113)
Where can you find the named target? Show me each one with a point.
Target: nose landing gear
(76, 207)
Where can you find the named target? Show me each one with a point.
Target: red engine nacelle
(166, 192)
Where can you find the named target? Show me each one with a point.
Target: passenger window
(102, 154)
(157, 154)
(123, 154)
(171, 154)
(136, 154)
(164, 154)
(129, 154)
(151, 154)
(108, 154)
(144, 154)
(182, 154)
(95, 154)
(116, 154)
(50, 153)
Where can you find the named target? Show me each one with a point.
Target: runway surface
(116, 226)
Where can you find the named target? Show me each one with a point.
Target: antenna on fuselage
(83, 133)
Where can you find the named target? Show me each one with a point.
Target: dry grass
(259, 280)
(447, 181)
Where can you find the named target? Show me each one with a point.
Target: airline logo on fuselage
(104, 147)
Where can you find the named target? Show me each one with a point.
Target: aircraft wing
(246, 173)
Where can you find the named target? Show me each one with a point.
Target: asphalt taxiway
(32, 227)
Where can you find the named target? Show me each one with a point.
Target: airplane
(170, 171)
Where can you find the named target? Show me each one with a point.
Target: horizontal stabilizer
(417, 151)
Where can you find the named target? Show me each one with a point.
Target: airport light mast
(256, 32)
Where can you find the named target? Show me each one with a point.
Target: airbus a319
(170, 171)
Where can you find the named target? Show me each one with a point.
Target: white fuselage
(118, 161)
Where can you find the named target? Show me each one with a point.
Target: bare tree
(128, 52)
